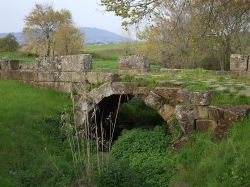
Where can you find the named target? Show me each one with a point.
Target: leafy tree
(69, 40)
(41, 25)
(8, 43)
(187, 31)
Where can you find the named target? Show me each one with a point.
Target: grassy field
(17, 56)
(33, 150)
(106, 56)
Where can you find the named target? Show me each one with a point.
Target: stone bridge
(192, 109)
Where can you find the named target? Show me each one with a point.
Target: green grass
(33, 151)
(17, 56)
(106, 56)
(147, 155)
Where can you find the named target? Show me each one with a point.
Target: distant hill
(92, 36)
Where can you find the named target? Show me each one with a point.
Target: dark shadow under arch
(111, 117)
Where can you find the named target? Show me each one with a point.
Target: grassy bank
(33, 151)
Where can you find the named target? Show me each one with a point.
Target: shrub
(119, 173)
(147, 152)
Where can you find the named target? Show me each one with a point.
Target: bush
(147, 153)
(119, 173)
(8, 43)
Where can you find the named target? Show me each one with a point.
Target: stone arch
(187, 106)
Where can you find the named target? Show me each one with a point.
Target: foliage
(33, 150)
(206, 163)
(136, 114)
(148, 153)
(8, 43)
(45, 28)
(68, 40)
(188, 33)
(119, 173)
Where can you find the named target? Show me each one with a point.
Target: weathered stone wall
(134, 63)
(240, 64)
(58, 73)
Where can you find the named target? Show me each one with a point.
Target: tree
(69, 40)
(8, 43)
(42, 23)
(187, 28)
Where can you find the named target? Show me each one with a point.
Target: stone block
(239, 62)
(186, 116)
(76, 63)
(228, 114)
(97, 77)
(183, 97)
(14, 75)
(123, 87)
(71, 63)
(27, 66)
(14, 64)
(169, 94)
(166, 112)
(141, 91)
(154, 101)
(204, 125)
(27, 75)
(202, 98)
(4, 65)
(134, 63)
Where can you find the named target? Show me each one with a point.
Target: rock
(134, 63)
(202, 98)
(154, 101)
(101, 92)
(97, 77)
(71, 63)
(183, 97)
(123, 87)
(169, 94)
(228, 114)
(225, 116)
(186, 116)
(166, 112)
(204, 125)
(239, 62)
(143, 91)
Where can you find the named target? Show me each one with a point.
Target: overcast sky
(86, 13)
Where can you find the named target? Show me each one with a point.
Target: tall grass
(33, 149)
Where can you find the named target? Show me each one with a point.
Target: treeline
(188, 33)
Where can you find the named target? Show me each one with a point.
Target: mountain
(91, 36)
(95, 35)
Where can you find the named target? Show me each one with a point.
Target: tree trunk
(48, 49)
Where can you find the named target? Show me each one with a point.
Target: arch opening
(116, 113)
